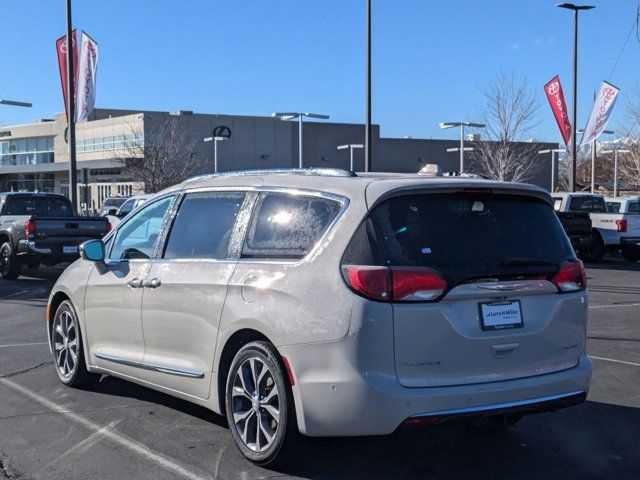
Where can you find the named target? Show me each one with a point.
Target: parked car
(607, 230)
(332, 304)
(40, 228)
(127, 207)
(627, 218)
(111, 205)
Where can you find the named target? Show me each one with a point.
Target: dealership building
(35, 156)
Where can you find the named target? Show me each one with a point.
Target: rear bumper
(581, 241)
(51, 252)
(630, 241)
(334, 399)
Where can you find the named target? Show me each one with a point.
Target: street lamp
(461, 149)
(574, 148)
(553, 152)
(215, 141)
(593, 158)
(299, 116)
(615, 166)
(350, 146)
(15, 104)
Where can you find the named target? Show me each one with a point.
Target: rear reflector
(397, 284)
(622, 225)
(287, 367)
(571, 277)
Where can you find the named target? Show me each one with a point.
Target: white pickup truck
(612, 231)
(628, 208)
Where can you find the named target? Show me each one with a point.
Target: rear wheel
(9, 263)
(259, 404)
(68, 355)
(596, 252)
(631, 253)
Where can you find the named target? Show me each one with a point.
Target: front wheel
(68, 355)
(9, 263)
(259, 404)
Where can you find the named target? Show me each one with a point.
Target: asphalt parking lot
(120, 430)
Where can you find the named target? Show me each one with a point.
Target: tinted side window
(613, 207)
(137, 237)
(127, 206)
(288, 226)
(203, 225)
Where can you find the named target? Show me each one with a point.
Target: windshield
(43, 206)
(471, 235)
(587, 203)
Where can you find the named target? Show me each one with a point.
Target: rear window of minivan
(468, 235)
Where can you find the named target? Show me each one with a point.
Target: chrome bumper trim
(155, 368)
(499, 406)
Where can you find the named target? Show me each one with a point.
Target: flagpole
(73, 174)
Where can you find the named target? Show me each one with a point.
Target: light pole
(299, 116)
(594, 148)
(351, 147)
(574, 148)
(368, 151)
(461, 149)
(553, 152)
(215, 141)
(615, 166)
(14, 103)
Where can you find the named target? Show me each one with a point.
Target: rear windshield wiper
(526, 262)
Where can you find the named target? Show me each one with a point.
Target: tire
(631, 253)
(9, 263)
(68, 354)
(596, 253)
(275, 413)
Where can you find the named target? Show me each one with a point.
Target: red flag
(61, 50)
(553, 89)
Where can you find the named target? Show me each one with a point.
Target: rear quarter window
(288, 226)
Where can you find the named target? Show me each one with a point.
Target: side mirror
(92, 250)
(112, 211)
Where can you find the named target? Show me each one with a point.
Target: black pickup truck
(577, 226)
(41, 228)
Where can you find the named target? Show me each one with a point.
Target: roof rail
(322, 172)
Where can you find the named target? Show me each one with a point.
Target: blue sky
(432, 59)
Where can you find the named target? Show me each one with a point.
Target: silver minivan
(329, 303)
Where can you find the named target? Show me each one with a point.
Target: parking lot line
(132, 445)
(615, 306)
(616, 361)
(22, 344)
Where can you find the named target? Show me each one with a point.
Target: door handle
(135, 283)
(153, 283)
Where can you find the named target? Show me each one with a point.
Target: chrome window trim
(498, 406)
(149, 366)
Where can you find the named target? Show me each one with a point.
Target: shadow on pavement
(593, 440)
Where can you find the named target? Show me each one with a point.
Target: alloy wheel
(255, 404)
(65, 343)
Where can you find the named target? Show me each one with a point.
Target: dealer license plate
(501, 315)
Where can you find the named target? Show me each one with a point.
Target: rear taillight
(107, 227)
(571, 277)
(416, 284)
(395, 284)
(370, 282)
(30, 227)
(622, 225)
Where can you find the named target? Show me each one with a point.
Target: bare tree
(630, 162)
(509, 114)
(161, 158)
